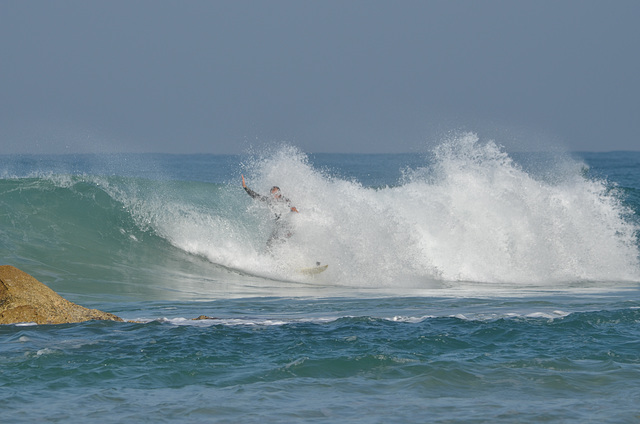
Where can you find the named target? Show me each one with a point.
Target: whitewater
(465, 284)
(472, 216)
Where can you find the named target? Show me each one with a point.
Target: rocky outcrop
(25, 299)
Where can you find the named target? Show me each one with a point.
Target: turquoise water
(464, 285)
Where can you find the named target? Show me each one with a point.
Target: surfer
(279, 205)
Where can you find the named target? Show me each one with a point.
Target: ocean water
(466, 284)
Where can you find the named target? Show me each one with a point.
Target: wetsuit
(278, 206)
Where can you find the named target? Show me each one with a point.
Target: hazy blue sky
(327, 76)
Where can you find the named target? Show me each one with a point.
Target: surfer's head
(275, 192)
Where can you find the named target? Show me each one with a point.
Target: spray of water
(469, 214)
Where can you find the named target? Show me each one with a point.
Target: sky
(347, 76)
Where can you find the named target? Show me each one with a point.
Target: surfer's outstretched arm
(275, 191)
(251, 192)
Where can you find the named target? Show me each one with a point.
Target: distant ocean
(465, 285)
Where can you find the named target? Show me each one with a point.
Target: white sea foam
(483, 316)
(470, 214)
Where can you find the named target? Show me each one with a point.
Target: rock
(25, 299)
(201, 317)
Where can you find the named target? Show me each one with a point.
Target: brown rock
(201, 317)
(25, 299)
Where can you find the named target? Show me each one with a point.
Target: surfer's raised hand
(243, 183)
(293, 209)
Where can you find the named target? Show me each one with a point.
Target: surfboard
(314, 269)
